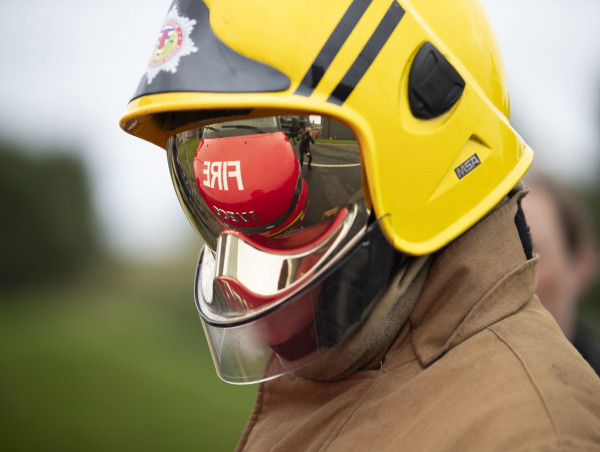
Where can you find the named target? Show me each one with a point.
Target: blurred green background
(100, 343)
(107, 353)
(98, 353)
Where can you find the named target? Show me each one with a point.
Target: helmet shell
(430, 179)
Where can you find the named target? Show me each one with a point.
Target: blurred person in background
(563, 237)
(305, 140)
(385, 299)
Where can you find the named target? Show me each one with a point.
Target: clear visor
(303, 325)
(279, 204)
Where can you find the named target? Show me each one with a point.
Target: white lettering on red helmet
(218, 174)
(235, 217)
(215, 173)
(236, 173)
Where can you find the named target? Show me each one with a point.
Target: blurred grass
(113, 360)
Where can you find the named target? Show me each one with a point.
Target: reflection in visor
(252, 203)
(251, 277)
(246, 175)
(279, 209)
(307, 324)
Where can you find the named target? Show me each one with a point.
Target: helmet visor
(279, 204)
(304, 324)
(265, 177)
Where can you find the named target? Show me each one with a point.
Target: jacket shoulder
(550, 370)
(516, 385)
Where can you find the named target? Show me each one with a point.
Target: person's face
(557, 285)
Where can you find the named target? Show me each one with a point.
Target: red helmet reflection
(252, 183)
(282, 326)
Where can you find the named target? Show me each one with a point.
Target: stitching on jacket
(533, 383)
(497, 289)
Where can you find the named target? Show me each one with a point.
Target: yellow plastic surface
(409, 163)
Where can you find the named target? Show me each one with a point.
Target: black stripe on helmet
(331, 48)
(368, 54)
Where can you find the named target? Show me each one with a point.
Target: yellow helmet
(421, 83)
(295, 259)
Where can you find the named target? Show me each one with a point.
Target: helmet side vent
(434, 86)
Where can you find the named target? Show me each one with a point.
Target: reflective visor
(279, 203)
(246, 175)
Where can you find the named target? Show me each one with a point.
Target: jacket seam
(457, 336)
(488, 293)
(533, 384)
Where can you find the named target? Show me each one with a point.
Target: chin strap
(379, 330)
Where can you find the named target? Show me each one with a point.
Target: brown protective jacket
(480, 365)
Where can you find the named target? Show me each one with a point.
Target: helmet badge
(173, 43)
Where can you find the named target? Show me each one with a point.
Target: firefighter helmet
(420, 87)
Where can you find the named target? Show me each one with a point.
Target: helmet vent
(434, 86)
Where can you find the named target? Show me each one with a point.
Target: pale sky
(70, 67)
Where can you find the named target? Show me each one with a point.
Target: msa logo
(219, 173)
(468, 166)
